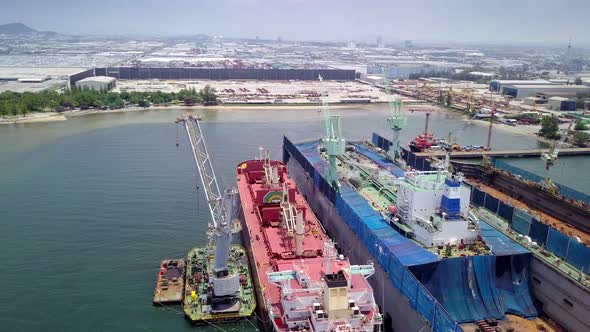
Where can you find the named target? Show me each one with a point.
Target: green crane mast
(334, 143)
(396, 121)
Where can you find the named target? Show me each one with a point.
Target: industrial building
(497, 85)
(405, 69)
(534, 101)
(561, 104)
(522, 91)
(98, 83)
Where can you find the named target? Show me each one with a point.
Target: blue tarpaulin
(478, 197)
(506, 211)
(379, 160)
(512, 281)
(491, 203)
(578, 255)
(499, 243)
(538, 232)
(478, 287)
(521, 222)
(557, 243)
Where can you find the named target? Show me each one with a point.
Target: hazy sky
(552, 21)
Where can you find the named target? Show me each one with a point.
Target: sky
(518, 21)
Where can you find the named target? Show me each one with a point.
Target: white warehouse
(519, 91)
(98, 83)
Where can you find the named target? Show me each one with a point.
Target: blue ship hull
(414, 289)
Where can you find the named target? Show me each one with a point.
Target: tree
(190, 100)
(578, 81)
(549, 127)
(208, 95)
(580, 126)
(449, 99)
(581, 138)
(143, 103)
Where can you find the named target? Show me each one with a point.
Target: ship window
(537, 280)
(568, 302)
(333, 292)
(342, 291)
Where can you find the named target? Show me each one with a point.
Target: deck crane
(334, 143)
(396, 121)
(550, 159)
(222, 207)
(492, 114)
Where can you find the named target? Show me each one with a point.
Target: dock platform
(198, 304)
(170, 282)
(503, 153)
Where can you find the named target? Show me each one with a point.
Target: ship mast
(222, 206)
(396, 120)
(333, 142)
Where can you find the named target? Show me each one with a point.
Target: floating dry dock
(423, 289)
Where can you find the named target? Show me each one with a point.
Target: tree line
(550, 129)
(15, 103)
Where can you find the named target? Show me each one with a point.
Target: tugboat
(425, 140)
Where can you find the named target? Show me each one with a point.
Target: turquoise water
(89, 206)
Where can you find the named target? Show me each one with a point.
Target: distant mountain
(21, 29)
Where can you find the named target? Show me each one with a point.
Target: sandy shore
(33, 117)
(272, 107)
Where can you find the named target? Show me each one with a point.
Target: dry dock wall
(165, 73)
(562, 299)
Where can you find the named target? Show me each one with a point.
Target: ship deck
(272, 250)
(376, 190)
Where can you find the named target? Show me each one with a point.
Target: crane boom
(222, 205)
(205, 168)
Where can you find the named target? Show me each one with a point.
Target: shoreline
(63, 116)
(524, 130)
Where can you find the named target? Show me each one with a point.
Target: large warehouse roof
(535, 82)
(548, 86)
(98, 79)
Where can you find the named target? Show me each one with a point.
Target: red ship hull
(281, 256)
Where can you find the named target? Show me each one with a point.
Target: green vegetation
(12, 103)
(549, 127)
(464, 75)
(526, 118)
(581, 138)
(580, 126)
